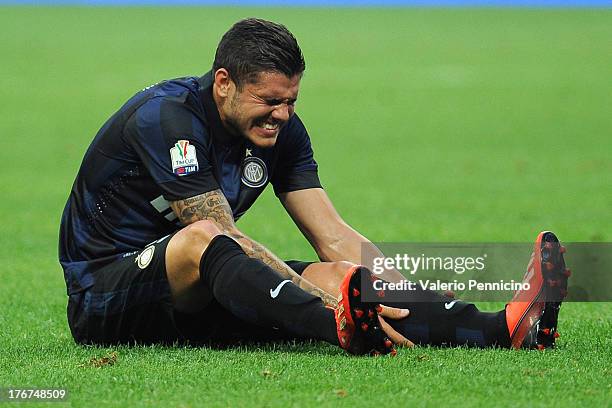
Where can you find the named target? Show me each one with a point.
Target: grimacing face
(259, 110)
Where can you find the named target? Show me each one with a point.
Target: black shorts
(130, 302)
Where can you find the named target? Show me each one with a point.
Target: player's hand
(395, 314)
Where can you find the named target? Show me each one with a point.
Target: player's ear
(223, 82)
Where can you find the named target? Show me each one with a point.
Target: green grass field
(428, 125)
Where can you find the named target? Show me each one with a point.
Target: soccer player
(151, 251)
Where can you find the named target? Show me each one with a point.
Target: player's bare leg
(327, 275)
(183, 256)
(202, 263)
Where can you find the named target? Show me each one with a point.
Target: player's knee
(183, 256)
(203, 231)
(191, 242)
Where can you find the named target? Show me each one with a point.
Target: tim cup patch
(254, 172)
(183, 157)
(144, 259)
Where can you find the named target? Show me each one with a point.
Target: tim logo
(183, 157)
(254, 172)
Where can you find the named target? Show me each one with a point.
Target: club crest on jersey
(254, 172)
(184, 160)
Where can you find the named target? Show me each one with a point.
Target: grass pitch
(428, 125)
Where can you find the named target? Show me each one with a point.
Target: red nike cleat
(357, 323)
(532, 314)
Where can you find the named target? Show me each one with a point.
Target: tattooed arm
(214, 206)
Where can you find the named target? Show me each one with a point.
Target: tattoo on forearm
(214, 206)
(255, 250)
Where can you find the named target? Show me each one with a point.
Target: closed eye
(276, 102)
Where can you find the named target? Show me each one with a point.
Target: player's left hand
(395, 314)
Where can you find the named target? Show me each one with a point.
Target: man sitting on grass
(151, 251)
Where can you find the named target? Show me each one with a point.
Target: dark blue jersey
(167, 143)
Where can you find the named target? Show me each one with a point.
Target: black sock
(245, 287)
(441, 321)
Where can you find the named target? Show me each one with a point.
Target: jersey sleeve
(296, 168)
(173, 145)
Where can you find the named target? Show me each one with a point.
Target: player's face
(259, 110)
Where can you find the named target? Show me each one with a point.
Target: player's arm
(214, 206)
(334, 240)
(331, 237)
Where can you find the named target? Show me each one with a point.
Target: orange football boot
(532, 314)
(357, 323)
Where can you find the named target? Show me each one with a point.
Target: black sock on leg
(440, 320)
(254, 292)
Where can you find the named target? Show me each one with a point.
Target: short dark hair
(253, 46)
